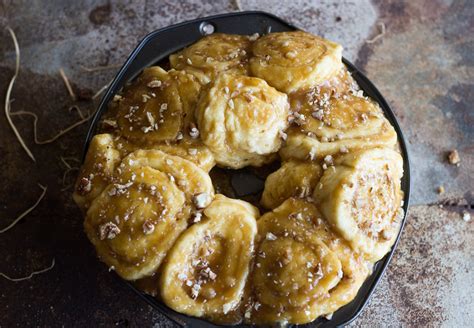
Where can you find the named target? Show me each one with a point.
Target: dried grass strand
(101, 90)
(378, 36)
(65, 159)
(31, 274)
(78, 110)
(99, 68)
(57, 136)
(8, 96)
(67, 84)
(69, 169)
(28, 211)
(239, 5)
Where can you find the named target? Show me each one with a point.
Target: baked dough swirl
(328, 125)
(206, 271)
(214, 54)
(188, 148)
(97, 170)
(135, 220)
(361, 197)
(241, 119)
(158, 106)
(290, 61)
(191, 149)
(292, 179)
(302, 269)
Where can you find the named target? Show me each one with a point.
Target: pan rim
(379, 268)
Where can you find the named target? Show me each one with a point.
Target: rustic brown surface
(423, 64)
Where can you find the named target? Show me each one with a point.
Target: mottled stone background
(423, 64)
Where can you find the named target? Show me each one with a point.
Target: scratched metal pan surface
(156, 47)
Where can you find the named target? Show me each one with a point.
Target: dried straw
(378, 36)
(25, 213)
(8, 96)
(67, 84)
(99, 68)
(31, 274)
(57, 136)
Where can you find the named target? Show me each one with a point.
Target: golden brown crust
(188, 148)
(361, 197)
(97, 171)
(240, 119)
(295, 60)
(158, 106)
(212, 55)
(207, 269)
(292, 179)
(136, 219)
(327, 125)
(302, 269)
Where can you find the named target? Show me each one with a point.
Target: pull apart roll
(290, 61)
(157, 106)
(212, 55)
(191, 149)
(293, 179)
(135, 220)
(361, 197)
(302, 269)
(207, 269)
(187, 148)
(341, 84)
(241, 120)
(97, 171)
(327, 126)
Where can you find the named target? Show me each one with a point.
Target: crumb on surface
(466, 216)
(453, 157)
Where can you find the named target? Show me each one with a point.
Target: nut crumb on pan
(328, 160)
(453, 157)
(154, 84)
(197, 216)
(254, 37)
(227, 307)
(466, 216)
(291, 54)
(329, 316)
(145, 98)
(84, 186)
(201, 200)
(148, 227)
(270, 236)
(299, 119)
(193, 131)
(108, 230)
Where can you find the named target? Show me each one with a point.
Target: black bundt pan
(156, 47)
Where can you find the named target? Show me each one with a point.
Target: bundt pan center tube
(155, 48)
